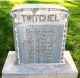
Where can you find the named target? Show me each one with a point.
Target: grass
(73, 35)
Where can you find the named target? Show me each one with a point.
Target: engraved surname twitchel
(40, 18)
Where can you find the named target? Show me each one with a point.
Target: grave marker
(40, 33)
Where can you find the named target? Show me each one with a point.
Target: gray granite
(40, 33)
(67, 70)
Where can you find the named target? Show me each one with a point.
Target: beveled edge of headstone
(21, 9)
(44, 6)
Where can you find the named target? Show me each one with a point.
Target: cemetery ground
(73, 34)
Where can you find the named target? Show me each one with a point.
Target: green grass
(73, 35)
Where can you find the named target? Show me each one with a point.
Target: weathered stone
(40, 33)
(67, 70)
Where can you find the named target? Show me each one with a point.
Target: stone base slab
(67, 70)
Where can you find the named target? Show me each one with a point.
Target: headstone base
(67, 70)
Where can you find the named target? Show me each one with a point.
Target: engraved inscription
(40, 18)
(40, 33)
(40, 44)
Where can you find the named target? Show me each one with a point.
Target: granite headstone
(40, 33)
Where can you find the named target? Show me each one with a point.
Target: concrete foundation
(67, 70)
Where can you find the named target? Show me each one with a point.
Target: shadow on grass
(0, 75)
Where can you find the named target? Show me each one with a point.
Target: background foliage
(73, 34)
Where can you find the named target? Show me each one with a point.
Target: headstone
(40, 36)
(40, 33)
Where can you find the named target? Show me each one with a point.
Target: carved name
(40, 18)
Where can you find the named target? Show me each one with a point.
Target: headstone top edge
(25, 6)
